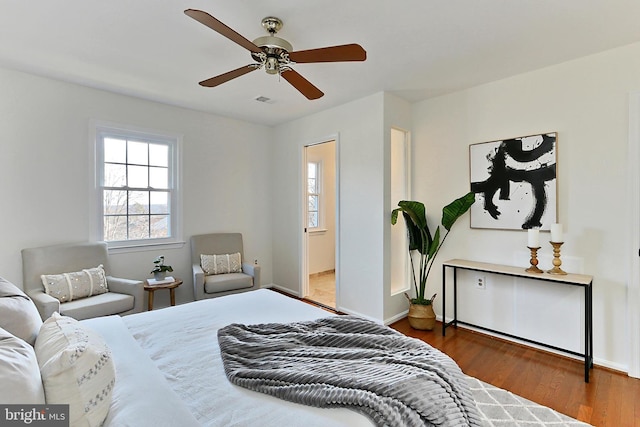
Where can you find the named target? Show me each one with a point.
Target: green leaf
(456, 209)
(415, 219)
(414, 234)
(416, 211)
(394, 216)
(433, 247)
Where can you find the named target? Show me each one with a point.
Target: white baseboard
(282, 288)
(355, 313)
(397, 317)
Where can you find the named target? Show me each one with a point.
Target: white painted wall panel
(362, 205)
(45, 175)
(586, 102)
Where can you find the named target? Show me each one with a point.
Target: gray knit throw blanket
(347, 361)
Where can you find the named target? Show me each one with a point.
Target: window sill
(318, 230)
(144, 247)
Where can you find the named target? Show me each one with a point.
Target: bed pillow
(19, 372)
(221, 264)
(18, 314)
(76, 368)
(79, 284)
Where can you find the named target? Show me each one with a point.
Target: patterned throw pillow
(221, 264)
(67, 287)
(76, 368)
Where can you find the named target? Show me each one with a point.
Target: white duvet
(169, 371)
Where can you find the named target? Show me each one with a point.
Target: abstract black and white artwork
(515, 183)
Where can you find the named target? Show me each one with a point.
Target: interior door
(320, 221)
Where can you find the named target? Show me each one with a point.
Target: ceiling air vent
(264, 99)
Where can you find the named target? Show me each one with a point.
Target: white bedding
(169, 372)
(176, 359)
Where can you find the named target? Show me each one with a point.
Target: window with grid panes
(313, 194)
(136, 175)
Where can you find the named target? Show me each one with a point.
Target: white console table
(569, 279)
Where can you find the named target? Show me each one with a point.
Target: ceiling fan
(276, 55)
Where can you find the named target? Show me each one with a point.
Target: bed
(169, 371)
(178, 348)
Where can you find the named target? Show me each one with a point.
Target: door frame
(633, 283)
(304, 235)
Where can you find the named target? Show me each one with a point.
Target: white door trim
(304, 236)
(633, 284)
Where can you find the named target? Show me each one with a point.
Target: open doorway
(320, 217)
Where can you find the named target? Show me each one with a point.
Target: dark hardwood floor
(610, 398)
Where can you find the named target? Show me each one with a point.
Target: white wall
(360, 166)
(364, 130)
(45, 174)
(322, 244)
(586, 102)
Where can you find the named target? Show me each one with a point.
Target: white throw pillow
(221, 264)
(79, 284)
(77, 369)
(19, 373)
(18, 314)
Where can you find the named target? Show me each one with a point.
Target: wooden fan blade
(345, 52)
(303, 85)
(222, 78)
(214, 24)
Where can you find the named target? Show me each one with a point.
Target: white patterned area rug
(501, 408)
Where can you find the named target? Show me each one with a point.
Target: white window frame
(317, 193)
(101, 130)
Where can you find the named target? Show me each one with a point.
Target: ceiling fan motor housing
(273, 42)
(276, 51)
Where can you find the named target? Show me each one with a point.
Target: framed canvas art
(515, 182)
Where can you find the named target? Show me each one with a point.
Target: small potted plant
(160, 269)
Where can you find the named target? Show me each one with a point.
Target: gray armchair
(211, 286)
(124, 297)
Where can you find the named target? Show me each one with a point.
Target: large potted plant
(426, 246)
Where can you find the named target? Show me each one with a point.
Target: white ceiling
(416, 48)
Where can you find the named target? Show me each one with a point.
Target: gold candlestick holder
(556, 259)
(534, 261)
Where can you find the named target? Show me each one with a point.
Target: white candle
(533, 238)
(556, 233)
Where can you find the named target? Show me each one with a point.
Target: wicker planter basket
(422, 317)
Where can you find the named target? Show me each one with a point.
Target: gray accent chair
(211, 286)
(125, 296)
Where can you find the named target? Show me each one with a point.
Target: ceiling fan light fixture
(271, 65)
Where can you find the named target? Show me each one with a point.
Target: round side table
(152, 288)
